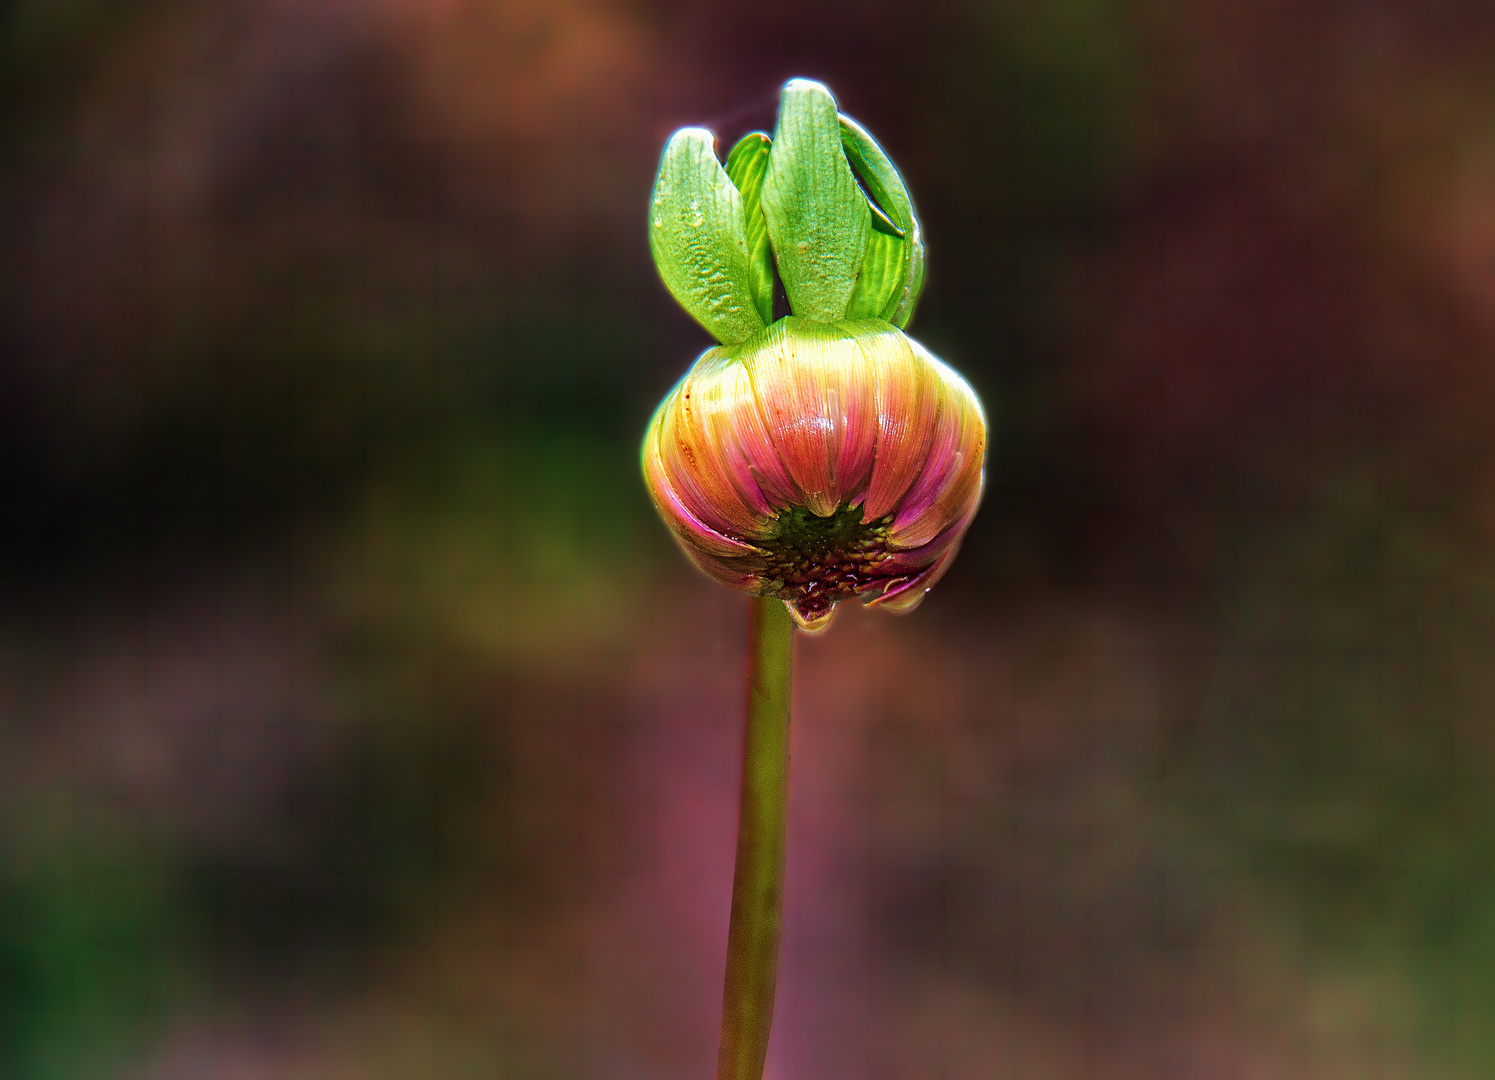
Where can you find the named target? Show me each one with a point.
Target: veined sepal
(893, 269)
(698, 236)
(821, 201)
(818, 217)
(844, 233)
(747, 165)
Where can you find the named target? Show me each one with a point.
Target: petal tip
(812, 619)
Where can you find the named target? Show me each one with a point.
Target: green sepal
(818, 218)
(912, 287)
(886, 188)
(880, 285)
(747, 165)
(698, 236)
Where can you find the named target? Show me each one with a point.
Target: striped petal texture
(819, 461)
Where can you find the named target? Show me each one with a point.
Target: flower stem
(758, 882)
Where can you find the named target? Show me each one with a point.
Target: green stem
(758, 882)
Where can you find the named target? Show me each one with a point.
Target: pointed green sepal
(698, 236)
(747, 165)
(886, 188)
(818, 218)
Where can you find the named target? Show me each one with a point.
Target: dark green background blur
(359, 720)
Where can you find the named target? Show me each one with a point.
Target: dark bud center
(813, 562)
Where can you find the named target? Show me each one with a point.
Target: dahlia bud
(827, 455)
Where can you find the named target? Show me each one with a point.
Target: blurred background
(358, 719)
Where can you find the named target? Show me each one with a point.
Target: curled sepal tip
(893, 269)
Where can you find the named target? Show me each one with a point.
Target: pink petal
(678, 514)
(952, 475)
(810, 382)
(737, 425)
(907, 406)
(913, 560)
(864, 372)
(697, 464)
(905, 594)
(741, 573)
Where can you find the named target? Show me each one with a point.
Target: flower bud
(819, 461)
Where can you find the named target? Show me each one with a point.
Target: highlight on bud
(817, 462)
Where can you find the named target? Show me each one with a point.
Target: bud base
(813, 562)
